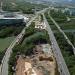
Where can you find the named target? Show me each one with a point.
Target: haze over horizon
(58, 0)
(55, 0)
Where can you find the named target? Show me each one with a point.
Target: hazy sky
(60, 0)
(70, 0)
(65, 0)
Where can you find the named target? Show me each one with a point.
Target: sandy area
(37, 64)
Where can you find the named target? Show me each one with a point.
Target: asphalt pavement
(62, 67)
(65, 36)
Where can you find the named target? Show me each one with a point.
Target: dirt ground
(37, 64)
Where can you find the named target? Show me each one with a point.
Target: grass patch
(67, 53)
(67, 25)
(5, 42)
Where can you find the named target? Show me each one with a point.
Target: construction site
(42, 62)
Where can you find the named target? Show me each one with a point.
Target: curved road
(4, 65)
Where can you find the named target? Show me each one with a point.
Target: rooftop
(12, 15)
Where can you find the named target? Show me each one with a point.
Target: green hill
(21, 5)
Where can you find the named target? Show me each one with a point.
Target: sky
(69, 0)
(64, 0)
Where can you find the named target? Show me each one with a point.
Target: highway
(4, 65)
(62, 67)
(67, 39)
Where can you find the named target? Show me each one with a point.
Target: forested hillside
(20, 5)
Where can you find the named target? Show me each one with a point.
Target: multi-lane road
(67, 39)
(62, 67)
(4, 65)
